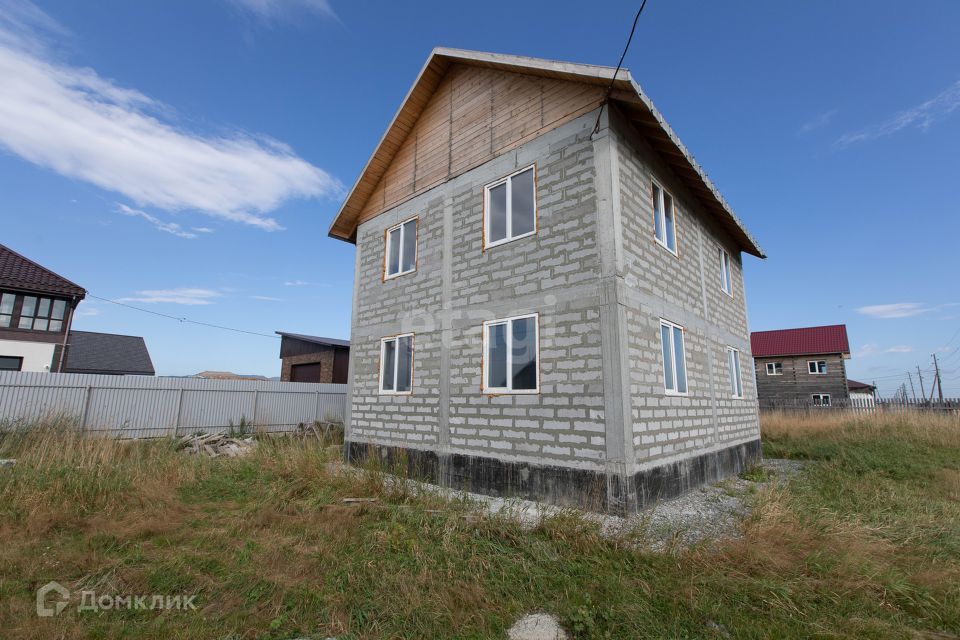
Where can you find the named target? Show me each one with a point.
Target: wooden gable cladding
(475, 114)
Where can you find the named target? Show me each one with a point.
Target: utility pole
(912, 390)
(923, 394)
(936, 368)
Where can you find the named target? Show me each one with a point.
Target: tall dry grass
(932, 428)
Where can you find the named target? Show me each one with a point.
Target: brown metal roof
(19, 272)
(626, 93)
(800, 342)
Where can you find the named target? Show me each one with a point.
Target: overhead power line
(185, 320)
(606, 95)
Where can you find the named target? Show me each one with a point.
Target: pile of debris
(216, 444)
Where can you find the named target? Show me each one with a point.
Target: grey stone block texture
(600, 284)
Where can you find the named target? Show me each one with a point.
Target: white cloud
(296, 283)
(900, 348)
(818, 122)
(895, 310)
(866, 350)
(923, 116)
(185, 295)
(168, 227)
(72, 121)
(86, 311)
(202, 229)
(267, 298)
(273, 11)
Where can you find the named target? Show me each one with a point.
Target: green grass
(864, 543)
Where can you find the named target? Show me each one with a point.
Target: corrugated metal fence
(146, 407)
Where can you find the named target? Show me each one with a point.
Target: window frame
(386, 248)
(726, 272)
(736, 376)
(816, 365)
(508, 180)
(396, 364)
(686, 372)
(774, 368)
(485, 340)
(19, 360)
(662, 227)
(12, 315)
(19, 304)
(814, 397)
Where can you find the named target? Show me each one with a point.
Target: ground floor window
(11, 363)
(736, 381)
(821, 399)
(396, 364)
(674, 358)
(511, 354)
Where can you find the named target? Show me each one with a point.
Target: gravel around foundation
(709, 513)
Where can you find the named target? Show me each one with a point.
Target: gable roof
(329, 342)
(625, 92)
(800, 342)
(111, 353)
(19, 272)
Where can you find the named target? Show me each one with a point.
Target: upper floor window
(42, 314)
(401, 248)
(510, 208)
(774, 368)
(664, 218)
(736, 381)
(674, 358)
(817, 367)
(511, 349)
(396, 364)
(726, 283)
(6, 309)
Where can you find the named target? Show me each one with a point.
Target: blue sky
(187, 157)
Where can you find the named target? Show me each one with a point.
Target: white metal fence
(146, 406)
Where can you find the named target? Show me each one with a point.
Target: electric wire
(606, 95)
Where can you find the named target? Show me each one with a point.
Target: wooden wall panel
(475, 115)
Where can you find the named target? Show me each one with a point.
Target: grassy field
(864, 543)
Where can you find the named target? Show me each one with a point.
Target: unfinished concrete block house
(549, 298)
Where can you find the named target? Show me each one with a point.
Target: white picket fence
(146, 406)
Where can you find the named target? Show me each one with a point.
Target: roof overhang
(633, 103)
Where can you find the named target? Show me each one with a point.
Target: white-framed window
(774, 368)
(664, 218)
(396, 364)
(674, 358)
(726, 282)
(400, 251)
(511, 355)
(821, 399)
(736, 380)
(510, 207)
(817, 367)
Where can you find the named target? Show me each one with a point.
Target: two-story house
(801, 367)
(36, 309)
(548, 298)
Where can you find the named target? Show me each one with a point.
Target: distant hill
(228, 375)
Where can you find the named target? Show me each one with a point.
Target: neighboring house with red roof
(797, 366)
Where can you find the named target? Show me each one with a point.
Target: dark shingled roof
(89, 352)
(800, 342)
(18, 272)
(333, 342)
(853, 384)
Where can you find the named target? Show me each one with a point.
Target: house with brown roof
(36, 310)
(798, 367)
(548, 297)
(36, 314)
(306, 358)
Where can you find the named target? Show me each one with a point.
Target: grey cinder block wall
(602, 433)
